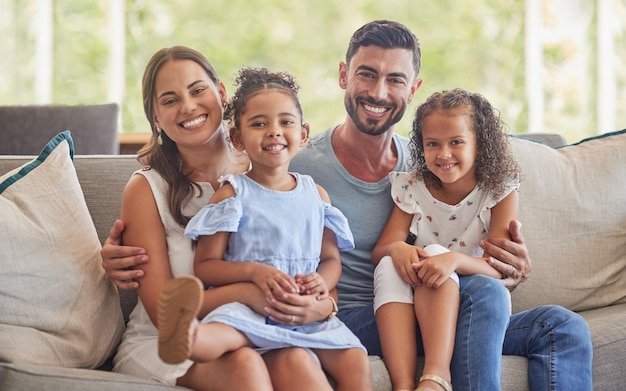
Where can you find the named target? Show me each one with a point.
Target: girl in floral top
(461, 190)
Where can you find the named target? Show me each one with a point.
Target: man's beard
(373, 127)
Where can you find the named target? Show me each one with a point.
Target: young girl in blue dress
(271, 227)
(462, 189)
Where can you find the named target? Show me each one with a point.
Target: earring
(159, 138)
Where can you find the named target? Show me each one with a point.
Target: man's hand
(510, 257)
(118, 260)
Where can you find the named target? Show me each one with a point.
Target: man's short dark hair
(388, 35)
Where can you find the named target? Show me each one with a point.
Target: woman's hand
(295, 309)
(118, 260)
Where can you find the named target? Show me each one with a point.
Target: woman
(188, 151)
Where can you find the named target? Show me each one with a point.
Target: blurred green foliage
(477, 45)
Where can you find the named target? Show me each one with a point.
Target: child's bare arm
(329, 268)
(326, 277)
(501, 216)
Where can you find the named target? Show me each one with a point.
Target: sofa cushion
(608, 335)
(573, 214)
(58, 307)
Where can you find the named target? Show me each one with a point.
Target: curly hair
(252, 80)
(495, 166)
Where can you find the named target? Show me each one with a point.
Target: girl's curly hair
(252, 80)
(495, 166)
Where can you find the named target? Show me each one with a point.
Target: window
(548, 65)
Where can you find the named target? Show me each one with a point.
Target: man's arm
(118, 260)
(510, 257)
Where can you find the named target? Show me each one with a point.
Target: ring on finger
(293, 319)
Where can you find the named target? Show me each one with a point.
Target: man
(352, 161)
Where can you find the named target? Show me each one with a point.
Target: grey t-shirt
(367, 206)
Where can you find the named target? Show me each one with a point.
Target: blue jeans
(556, 341)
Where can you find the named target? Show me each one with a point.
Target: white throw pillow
(56, 305)
(573, 214)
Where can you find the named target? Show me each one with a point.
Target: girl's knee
(290, 367)
(296, 360)
(355, 370)
(389, 286)
(246, 359)
(384, 266)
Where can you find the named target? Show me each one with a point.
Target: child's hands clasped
(434, 271)
(404, 256)
(312, 284)
(273, 282)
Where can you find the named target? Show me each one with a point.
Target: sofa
(572, 208)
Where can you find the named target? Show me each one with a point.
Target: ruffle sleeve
(212, 218)
(338, 223)
(402, 192)
(485, 213)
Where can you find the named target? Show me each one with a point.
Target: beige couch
(573, 210)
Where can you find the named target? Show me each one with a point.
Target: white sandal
(437, 379)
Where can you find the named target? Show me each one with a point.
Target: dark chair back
(25, 130)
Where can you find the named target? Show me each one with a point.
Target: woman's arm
(143, 228)
(119, 261)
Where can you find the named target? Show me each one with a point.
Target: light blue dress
(283, 229)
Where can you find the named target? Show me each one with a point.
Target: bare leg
(214, 339)
(349, 367)
(295, 369)
(241, 370)
(437, 310)
(180, 336)
(396, 329)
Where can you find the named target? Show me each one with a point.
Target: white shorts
(390, 288)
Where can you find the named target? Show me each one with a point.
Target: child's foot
(177, 309)
(437, 381)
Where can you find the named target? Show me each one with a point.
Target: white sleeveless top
(137, 354)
